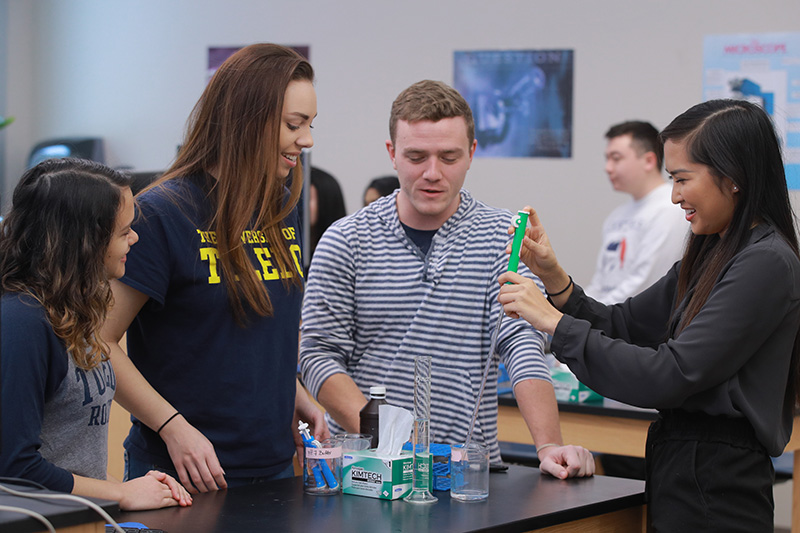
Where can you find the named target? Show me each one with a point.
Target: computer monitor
(81, 147)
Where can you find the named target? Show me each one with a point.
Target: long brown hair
(736, 140)
(52, 247)
(233, 133)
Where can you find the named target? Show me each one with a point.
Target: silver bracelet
(543, 446)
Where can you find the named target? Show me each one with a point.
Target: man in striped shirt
(415, 273)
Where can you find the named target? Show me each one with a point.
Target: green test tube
(521, 223)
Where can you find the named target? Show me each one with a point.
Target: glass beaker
(469, 472)
(322, 468)
(353, 442)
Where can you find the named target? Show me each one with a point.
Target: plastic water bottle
(369, 414)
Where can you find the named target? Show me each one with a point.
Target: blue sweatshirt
(54, 415)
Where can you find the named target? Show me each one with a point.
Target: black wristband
(167, 422)
(559, 293)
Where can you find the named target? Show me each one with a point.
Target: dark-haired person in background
(644, 237)
(325, 205)
(713, 345)
(67, 234)
(381, 186)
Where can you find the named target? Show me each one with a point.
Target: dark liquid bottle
(369, 414)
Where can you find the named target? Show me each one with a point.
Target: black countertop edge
(570, 515)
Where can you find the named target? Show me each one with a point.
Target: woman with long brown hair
(211, 299)
(713, 345)
(67, 234)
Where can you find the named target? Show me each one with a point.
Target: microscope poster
(521, 100)
(763, 68)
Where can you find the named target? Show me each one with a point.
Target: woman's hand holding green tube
(538, 255)
(522, 298)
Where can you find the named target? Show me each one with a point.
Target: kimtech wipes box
(364, 473)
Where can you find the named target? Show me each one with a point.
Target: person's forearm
(96, 488)
(133, 391)
(558, 287)
(342, 398)
(301, 397)
(303, 403)
(537, 404)
(135, 394)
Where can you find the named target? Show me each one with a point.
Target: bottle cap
(377, 391)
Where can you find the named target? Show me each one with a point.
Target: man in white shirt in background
(643, 238)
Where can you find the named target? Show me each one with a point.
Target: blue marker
(310, 443)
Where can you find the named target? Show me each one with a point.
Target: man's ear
(390, 149)
(650, 160)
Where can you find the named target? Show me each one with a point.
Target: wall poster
(521, 100)
(763, 68)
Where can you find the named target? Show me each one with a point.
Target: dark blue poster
(521, 101)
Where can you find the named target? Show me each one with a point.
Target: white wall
(3, 68)
(130, 71)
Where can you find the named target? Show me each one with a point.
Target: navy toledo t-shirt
(234, 384)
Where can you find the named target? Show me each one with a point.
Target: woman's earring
(735, 188)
